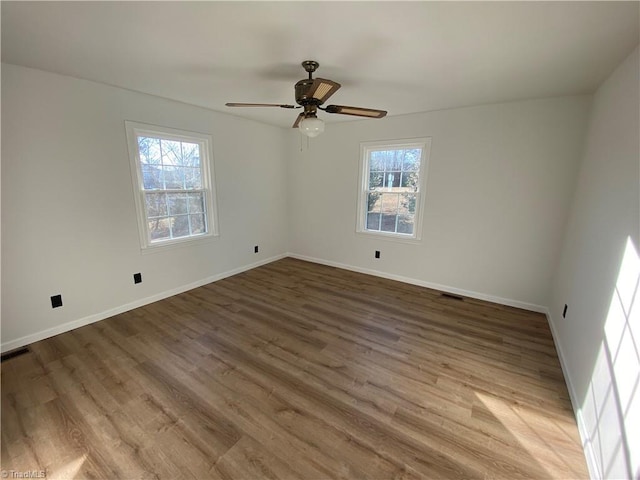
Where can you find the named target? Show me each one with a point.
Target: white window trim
(366, 148)
(135, 129)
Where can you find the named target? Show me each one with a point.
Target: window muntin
(392, 176)
(173, 177)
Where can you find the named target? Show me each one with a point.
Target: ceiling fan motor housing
(303, 87)
(302, 91)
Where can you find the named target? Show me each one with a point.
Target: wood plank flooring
(295, 371)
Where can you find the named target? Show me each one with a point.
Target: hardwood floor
(299, 371)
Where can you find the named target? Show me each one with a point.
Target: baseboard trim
(421, 283)
(81, 322)
(587, 446)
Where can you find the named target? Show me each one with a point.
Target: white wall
(68, 216)
(599, 340)
(499, 184)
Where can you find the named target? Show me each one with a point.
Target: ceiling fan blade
(357, 111)
(298, 120)
(234, 104)
(321, 89)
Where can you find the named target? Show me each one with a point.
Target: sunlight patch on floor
(525, 426)
(69, 470)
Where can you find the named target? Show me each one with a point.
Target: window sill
(179, 243)
(390, 237)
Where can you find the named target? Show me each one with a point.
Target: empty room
(320, 240)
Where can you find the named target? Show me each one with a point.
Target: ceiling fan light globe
(311, 127)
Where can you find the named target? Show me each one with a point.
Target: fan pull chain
(301, 144)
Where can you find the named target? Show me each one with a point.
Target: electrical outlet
(255, 249)
(137, 278)
(377, 253)
(56, 301)
(564, 311)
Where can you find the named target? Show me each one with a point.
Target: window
(392, 177)
(172, 173)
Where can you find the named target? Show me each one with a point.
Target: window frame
(424, 143)
(205, 142)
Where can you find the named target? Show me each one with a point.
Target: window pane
(405, 224)
(394, 160)
(190, 154)
(180, 226)
(389, 203)
(173, 177)
(197, 224)
(409, 180)
(196, 202)
(149, 150)
(375, 179)
(177, 203)
(192, 178)
(152, 177)
(408, 203)
(376, 161)
(411, 161)
(388, 223)
(171, 152)
(392, 179)
(159, 229)
(373, 202)
(156, 204)
(373, 221)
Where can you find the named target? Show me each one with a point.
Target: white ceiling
(401, 57)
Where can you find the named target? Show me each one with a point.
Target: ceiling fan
(311, 93)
